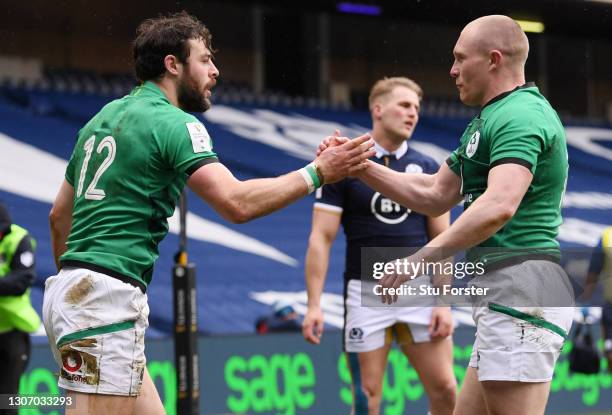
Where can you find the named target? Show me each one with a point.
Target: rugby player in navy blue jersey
(370, 220)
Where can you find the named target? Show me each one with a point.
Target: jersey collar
(152, 88)
(399, 153)
(505, 94)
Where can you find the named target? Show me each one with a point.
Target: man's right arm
(428, 194)
(60, 220)
(325, 225)
(240, 201)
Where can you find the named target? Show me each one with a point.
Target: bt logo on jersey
(388, 211)
(388, 205)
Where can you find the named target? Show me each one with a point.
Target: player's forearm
(478, 223)
(317, 261)
(60, 220)
(435, 226)
(413, 190)
(444, 278)
(60, 229)
(260, 197)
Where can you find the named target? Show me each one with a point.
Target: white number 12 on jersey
(107, 142)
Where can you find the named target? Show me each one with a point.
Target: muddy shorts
(370, 328)
(96, 325)
(518, 337)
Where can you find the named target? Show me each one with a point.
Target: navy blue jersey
(372, 220)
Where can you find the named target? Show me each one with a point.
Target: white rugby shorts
(96, 325)
(370, 328)
(519, 338)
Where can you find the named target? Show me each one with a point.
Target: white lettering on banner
(296, 134)
(586, 139)
(579, 231)
(587, 200)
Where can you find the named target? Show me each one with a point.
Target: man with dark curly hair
(129, 166)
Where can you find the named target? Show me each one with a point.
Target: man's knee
(444, 392)
(370, 399)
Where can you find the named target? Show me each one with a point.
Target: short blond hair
(386, 85)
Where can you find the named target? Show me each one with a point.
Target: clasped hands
(338, 157)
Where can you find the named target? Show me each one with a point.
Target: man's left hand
(441, 325)
(394, 280)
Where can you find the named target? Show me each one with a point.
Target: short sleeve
(331, 197)
(453, 162)
(71, 168)
(186, 145)
(518, 141)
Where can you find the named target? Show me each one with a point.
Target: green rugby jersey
(128, 168)
(519, 126)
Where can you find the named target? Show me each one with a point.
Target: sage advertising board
(281, 374)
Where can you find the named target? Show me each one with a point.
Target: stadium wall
(573, 70)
